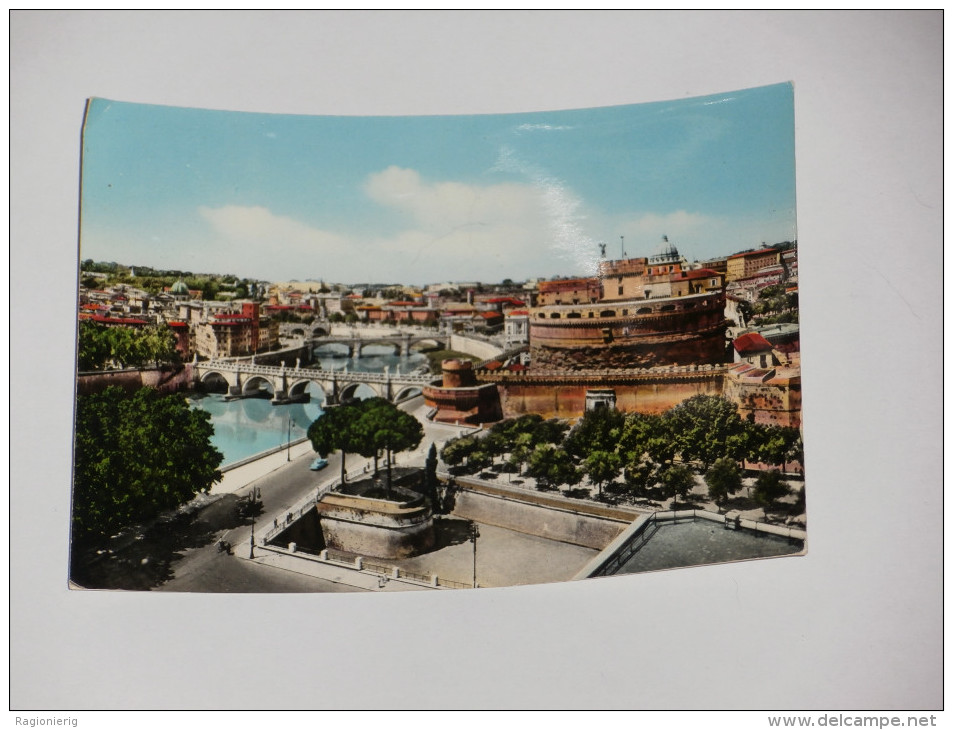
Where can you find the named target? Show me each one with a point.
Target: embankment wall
(548, 516)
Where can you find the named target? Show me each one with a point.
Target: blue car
(318, 464)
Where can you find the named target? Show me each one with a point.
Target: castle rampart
(632, 333)
(562, 394)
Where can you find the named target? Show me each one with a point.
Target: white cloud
(445, 206)
(259, 226)
(696, 236)
(542, 127)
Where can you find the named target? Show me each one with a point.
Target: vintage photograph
(362, 354)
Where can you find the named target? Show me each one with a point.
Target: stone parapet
(376, 527)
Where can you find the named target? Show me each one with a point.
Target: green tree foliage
(520, 450)
(703, 426)
(769, 489)
(640, 475)
(597, 430)
(602, 467)
(430, 478)
(333, 431)
(551, 467)
(677, 480)
(386, 428)
(723, 480)
(137, 456)
(367, 427)
(457, 450)
(102, 347)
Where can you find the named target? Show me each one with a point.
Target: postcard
(364, 354)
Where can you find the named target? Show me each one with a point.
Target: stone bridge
(401, 342)
(290, 384)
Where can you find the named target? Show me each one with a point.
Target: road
(206, 569)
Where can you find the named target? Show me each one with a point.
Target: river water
(250, 426)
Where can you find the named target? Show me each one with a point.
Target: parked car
(318, 464)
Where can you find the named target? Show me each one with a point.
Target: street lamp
(290, 422)
(473, 533)
(251, 547)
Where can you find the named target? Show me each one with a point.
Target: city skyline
(420, 200)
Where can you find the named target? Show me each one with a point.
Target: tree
(102, 346)
(431, 483)
(678, 480)
(457, 450)
(602, 467)
(522, 448)
(597, 430)
(702, 426)
(780, 443)
(769, 489)
(494, 445)
(640, 474)
(389, 429)
(137, 456)
(551, 466)
(723, 479)
(332, 431)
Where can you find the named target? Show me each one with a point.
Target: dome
(180, 287)
(665, 253)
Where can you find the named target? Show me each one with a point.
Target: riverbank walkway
(240, 476)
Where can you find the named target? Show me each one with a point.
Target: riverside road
(206, 569)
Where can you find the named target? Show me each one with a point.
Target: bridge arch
(426, 343)
(253, 385)
(409, 391)
(299, 387)
(394, 346)
(214, 382)
(350, 391)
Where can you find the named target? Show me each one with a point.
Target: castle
(643, 335)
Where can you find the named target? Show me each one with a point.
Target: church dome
(666, 253)
(180, 287)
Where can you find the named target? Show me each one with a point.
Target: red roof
(697, 274)
(517, 313)
(490, 315)
(751, 343)
(178, 324)
(506, 300)
(112, 320)
(754, 253)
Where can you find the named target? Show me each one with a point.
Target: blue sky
(422, 200)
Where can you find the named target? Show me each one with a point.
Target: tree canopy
(703, 426)
(102, 347)
(137, 456)
(723, 479)
(367, 427)
(769, 488)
